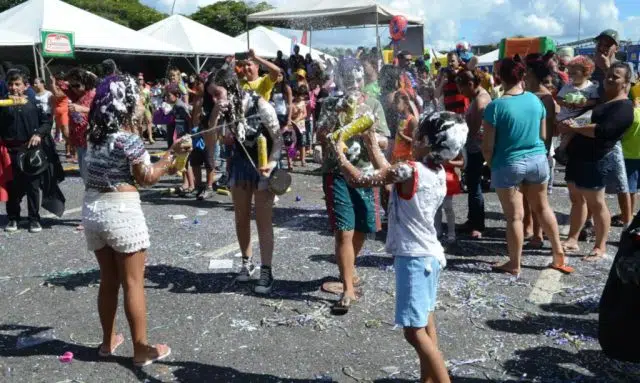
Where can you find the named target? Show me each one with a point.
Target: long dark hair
(539, 64)
(81, 76)
(512, 70)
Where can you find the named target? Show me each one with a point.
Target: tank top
(279, 104)
(411, 231)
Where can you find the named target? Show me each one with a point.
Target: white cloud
(478, 21)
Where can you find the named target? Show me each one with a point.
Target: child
(406, 126)
(453, 188)
(180, 126)
(298, 119)
(580, 70)
(418, 189)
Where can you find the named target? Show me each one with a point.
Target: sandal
(616, 221)
(570, 248)
(336, 287)
(105, 354)
(594, 255)
(534, 244)
(564, 268)
(157, 358)
(342, 305)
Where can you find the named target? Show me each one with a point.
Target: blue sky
(477, 21)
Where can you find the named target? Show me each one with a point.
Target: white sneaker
(246, 271)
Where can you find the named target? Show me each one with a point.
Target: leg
(32, 186)
(536, 194)
(242, 208)
(602, 220)
(438, 221)
(345, 254)
(108, 297)
(432, 367)
(451, 218)
(358, 242)
(474, 188)
(131, 272)
(527, 220)
(264, 222)
(303, 156)
(511, 201)
(197, 176)
(16, 192)
(626, 210)
(577, 217)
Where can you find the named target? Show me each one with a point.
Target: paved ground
(539, 328)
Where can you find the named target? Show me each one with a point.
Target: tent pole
(310, 38)
(35, 62)
(248, 42)
(377, 35)
(41, 61)
(198, 63)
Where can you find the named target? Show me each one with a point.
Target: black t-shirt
(612, 119)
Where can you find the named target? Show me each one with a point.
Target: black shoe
(12, 226)
(204, 194)
(222, 182)
(35, 227)
(265, 283)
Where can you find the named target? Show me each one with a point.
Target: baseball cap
(610, 33)
(301, 73)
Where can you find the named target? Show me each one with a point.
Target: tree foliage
(229, 16)
(130, 13)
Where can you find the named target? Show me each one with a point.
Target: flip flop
(564, 268)
(500, 269)
(156, 359)
(594, 256)
(335, 287)
(534, 245)
(342, 306)
(119, 341)
(570, 249)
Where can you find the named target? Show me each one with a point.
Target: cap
(610, 33)
(301, 73)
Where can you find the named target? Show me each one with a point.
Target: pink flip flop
(119, 341)
(156, 359)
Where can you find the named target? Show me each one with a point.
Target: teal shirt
(516, 120)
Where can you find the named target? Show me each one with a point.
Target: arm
(617, 121)
(273, 69)
(488, 141)
(550, 120)
(457, 162)
(374, 147)
(149, 174)
(289, 96)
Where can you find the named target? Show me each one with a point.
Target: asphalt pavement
(541, 327)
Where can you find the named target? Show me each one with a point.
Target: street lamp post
(579, 19)
(173, 6)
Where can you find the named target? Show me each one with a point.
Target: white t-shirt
(411, 231)
(42, 101)
(589, 90)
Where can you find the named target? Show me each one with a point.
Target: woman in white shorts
(115, 227)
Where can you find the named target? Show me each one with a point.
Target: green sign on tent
(57, 44)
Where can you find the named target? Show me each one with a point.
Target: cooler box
(523, 46)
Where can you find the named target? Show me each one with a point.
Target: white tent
(200, 40)
(12, 39)
(272, 42)
(488, 59)
(324, 14)
(91, 33)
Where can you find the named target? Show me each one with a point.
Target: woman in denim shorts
(592, 160)
(515, 129)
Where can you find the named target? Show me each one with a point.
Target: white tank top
(411, 231)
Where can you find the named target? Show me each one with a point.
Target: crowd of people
(419, 132)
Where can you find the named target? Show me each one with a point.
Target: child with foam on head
(419, 188)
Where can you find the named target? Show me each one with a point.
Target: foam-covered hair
(446, 133)
(113, 107)
(348, 74)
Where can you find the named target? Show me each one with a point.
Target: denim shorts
(590, 175)
(632, 166)
(532, 170)
(416, 289)
(616, 178)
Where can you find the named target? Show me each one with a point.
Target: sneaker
(222, 181)
(246, 271)
(12, 226)
(35, 227)
(205, 193)
(265, 283)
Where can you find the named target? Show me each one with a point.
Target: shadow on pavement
(185, 372)
(182, 281)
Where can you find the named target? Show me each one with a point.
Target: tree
(130, 13)
(229, 16)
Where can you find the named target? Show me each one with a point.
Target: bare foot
(570, 246)
(507, 267)
(149, 354)
(595, 255)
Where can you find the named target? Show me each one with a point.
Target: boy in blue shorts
(418, 190)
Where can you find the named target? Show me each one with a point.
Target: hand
(370, 137)
(602, 61)
(182, 145)
(17, 99)
(252, 54)
(266, 171)
(34, 141)
(72, 108)
(566, 126)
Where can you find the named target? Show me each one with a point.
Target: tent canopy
(272, 42)
(91, 33)
(12, 39)
(488, 59)
(325, 14)
(196, 38)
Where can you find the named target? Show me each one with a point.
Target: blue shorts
(416, 289)
(616, 180)
(633, 174)
(532, 170)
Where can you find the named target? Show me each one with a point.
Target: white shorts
(115, 220)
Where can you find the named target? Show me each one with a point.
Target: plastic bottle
(262, 152)
(359, 126)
